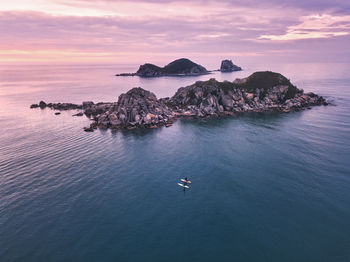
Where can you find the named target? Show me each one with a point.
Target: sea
(265, 187)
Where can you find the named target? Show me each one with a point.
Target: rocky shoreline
(139, 108)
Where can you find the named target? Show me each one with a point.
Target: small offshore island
(138, 108)
(180, 67)
(227, 66)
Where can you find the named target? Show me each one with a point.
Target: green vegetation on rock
(152, 67)
(180, 65)
(266, 80)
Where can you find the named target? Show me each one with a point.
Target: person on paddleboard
(185, 182)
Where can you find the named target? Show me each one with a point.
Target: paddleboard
(184, 180)
(183, 185)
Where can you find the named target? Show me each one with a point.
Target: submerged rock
(228, 66)
(88, 129)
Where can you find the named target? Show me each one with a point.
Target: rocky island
(179, 67)
(228, 66)
(138, 108)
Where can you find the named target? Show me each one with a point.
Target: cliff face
(180, 67)
(139, 108)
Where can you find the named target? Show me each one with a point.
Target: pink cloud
(315, 26)
(107, 30)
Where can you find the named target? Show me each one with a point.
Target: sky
(119, 31)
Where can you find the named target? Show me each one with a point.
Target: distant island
(228, 66)
(179, 67)
(138, 108)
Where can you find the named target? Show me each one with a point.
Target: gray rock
(42, 104)
(88, 129)
(228, 66)
(87, 104)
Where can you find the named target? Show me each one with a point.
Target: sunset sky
(33, 31)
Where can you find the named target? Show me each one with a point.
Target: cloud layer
(121, 31)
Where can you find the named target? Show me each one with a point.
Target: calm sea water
(273, 187)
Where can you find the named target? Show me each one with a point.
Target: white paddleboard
(188, 181)
(183, 185)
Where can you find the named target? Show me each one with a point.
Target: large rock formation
(228, 66)
(139, 108)
(180, 67)
(262, 91)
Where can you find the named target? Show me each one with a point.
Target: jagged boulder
(137, 107)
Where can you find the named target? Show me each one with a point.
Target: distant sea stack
(228, 66)
(138, 108)
(179, 67)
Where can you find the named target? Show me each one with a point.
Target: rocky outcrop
(260, 92)
(57, 106)
(136, 108)
(150, 70)
(213, 98)
(228, 66)
(180, 67)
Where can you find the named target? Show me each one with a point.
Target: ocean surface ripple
(265, 187)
